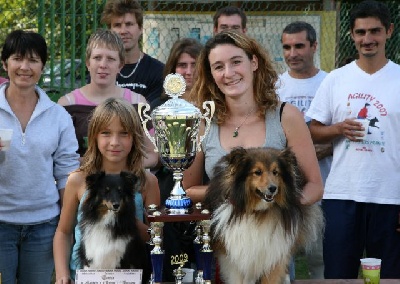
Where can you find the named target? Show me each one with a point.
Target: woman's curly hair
(265, 77)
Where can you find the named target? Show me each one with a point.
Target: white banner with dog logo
(108, 276)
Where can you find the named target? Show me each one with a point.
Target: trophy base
(177, 205)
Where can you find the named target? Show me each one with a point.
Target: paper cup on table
(5, 138)
(371, 270)
(188, 278)
(365, 124)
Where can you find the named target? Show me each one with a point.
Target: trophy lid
(175, 86)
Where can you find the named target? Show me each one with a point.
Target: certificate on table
(108, 276)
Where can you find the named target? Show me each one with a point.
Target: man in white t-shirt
(361, 200)
(297, 86)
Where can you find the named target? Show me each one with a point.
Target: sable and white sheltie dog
(110, 236)
(257, 220)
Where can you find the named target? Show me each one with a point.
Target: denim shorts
(26, 252)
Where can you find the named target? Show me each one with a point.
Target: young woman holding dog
(112, 148)
(236, 73)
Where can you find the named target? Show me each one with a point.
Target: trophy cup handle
(144, 117)
(207, 117)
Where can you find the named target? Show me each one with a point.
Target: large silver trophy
(176, 137)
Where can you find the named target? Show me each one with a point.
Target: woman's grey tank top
(274, 138)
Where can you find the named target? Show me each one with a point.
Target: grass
(301, 267)
(302, 271)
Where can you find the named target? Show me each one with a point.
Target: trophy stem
(178, 202)
(198, 245)
(178, 190)
(206, 251)
(157, 254)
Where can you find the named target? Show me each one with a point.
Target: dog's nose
(115, 206)
(272, 188)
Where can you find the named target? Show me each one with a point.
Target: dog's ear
(236, 154)
(288, 156)
(131, 181)
(239, 164)
(236, 157)
(292, 169)
(126, 175)
(228, 164)
(94, 178)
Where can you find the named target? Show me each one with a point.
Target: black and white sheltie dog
(110, 236)
(257, 220)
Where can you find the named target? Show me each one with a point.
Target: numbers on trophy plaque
(179, 259)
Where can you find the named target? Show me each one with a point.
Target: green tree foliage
(65, 24)
(17, 14)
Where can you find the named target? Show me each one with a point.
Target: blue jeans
(292, 269)
(26, 251)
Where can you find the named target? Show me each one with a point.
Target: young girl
(115, 144)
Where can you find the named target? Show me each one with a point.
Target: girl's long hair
(101, 117)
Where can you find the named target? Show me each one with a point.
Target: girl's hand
(64, 280)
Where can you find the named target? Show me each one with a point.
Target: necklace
(134, 69)
(236, 132)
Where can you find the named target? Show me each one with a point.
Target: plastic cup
(365, 124)
(371, 270)
(5, 138)
(188, 278)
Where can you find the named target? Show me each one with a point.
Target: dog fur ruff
(110, 236)
(258, 222)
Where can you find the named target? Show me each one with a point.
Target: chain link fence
(67, 24)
